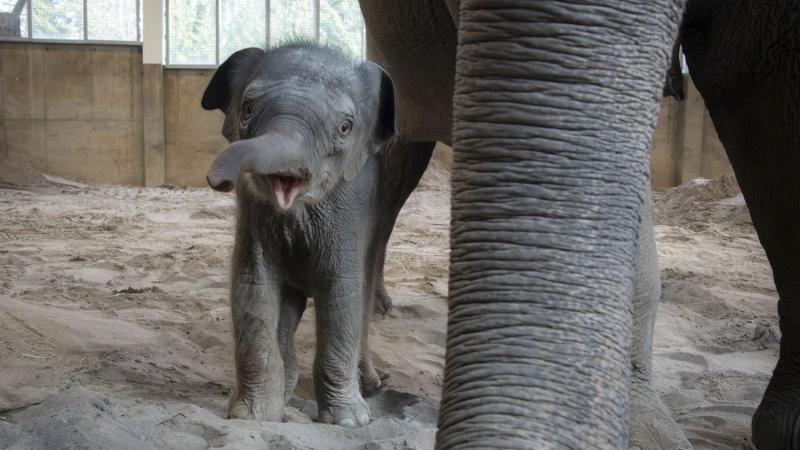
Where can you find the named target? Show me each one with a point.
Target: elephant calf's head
(300, 118)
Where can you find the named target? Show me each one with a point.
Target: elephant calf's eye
(247, 111)
(345, 127)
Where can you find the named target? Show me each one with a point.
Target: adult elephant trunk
(554, 106)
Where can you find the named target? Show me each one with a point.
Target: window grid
(291, 14)
(36, 22)
(337, 22)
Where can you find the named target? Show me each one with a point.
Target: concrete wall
(193, 135)
(685, 143)
(73, 110)
(77, 111)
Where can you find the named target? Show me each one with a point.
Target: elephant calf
(306, 126)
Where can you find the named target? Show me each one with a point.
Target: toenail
(347, 423)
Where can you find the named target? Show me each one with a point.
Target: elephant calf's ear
(382, 91)
(227, 82)
(379, 94)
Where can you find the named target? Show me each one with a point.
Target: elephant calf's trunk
(280, 157)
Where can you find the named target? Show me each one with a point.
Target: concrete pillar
(691, 133)
(153, 92)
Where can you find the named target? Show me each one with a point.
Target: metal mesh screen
(291, 19)
(192, 26)
(242, 24)
(341, 24)
(57, 19)
(192, 32)
(111, 20)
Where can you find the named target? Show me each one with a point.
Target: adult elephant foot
(651, 426)
(776, 423)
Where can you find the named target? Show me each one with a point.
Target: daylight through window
(197, 32)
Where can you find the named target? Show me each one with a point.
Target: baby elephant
(306, 125)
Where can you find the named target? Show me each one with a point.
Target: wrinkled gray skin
(550, 106)
(306, 126)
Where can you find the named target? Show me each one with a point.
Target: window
(206, 32)
(113, 20)
(242, 25)
(71, 20)
(341, 24)
(192, 32)
(198, 32)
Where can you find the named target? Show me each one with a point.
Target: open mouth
(286, 188)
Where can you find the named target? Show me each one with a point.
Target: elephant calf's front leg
(259, 392)
(336, 365)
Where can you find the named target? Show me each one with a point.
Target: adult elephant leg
(404, 163)
(651, 426)
(554, 106)
(763, 143)
(769, 175)
(743, 58)
(773, 197)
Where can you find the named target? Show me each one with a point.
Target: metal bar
(266, 24)
(138, 19)
(316, 21)
(166, 31)
(216, 47)
(30, 19)
(67, 41)
(190, 66)
(85, 21)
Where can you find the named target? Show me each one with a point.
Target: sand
(115, 329)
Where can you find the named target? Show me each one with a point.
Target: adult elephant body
(550, 107)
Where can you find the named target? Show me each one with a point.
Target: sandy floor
(114, 327)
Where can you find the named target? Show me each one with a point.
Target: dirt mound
(703, 203)
(18, 174)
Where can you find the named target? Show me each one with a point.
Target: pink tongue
(285, 190)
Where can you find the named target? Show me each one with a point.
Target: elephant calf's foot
(651, 425)
(252, 407)
(348, 413)
(776, 422)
